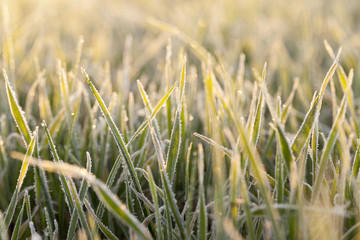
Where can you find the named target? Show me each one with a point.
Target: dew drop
(43, 124)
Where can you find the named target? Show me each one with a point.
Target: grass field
(224, 119)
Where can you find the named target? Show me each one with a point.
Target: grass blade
(330, 142)
(174, 147)
(159, 232)
(111, 201)
(154, 111)
(116, 133)
(63, 180)
(169, 195)
(80, 211)
(202, 227)
(75, 213)
(15, 233)
(311, 117)
(102, 227)
(24, 167)
(17, 112)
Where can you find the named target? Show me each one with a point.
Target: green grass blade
(174, 147)
(257, 169)
(284, 146)
(24, 167)
(177, 131)
(41, 183)
(80, 211)
(202, 227)
(63, 180)
(15, 233)
(225, 150)
(28, 206)
(75, 213)
(105, 230)
(154, 111)
(111, 201)
(49, 224)
(169, 195)
(311, 117)
(257, 122)
(116, 133)
(305, 129)
(356, 164)
(159, 232)
(16, 111)
(330, 143)
(109, 182)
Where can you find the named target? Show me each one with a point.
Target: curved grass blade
(148, 106)
(21, 123)
(24, 167)
(174, 147)
(225, 150)
(80, 211)
(49, 224)
(75, 213)
(307, 125)
(105, 230)
(159, 232)
(305, 129)
(15, 233)
(17, 112)
(153, 113)
(177, 130)
(109, 183)
(111, 201)
(169, 195)
(284, 145)
(258, 172)
(63, 180)
(330, 142)
(116, 133)
(28, 206)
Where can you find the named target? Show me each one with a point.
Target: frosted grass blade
(102, 227)
(311, 117)
(153, 113)
(225, 150)
(15, 233)
(159, 232)
(78, 205)
(174, 147)
(111, 201)
(24, 167)
(116, 133)
(202, 228)
(330, 143)
(63, 180)
(75, 212)
(17, 112)
(169, 195)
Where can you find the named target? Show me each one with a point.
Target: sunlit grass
(179, 120)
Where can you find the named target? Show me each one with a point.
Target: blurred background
(121, 36)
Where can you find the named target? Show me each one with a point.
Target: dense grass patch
(179, 120)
